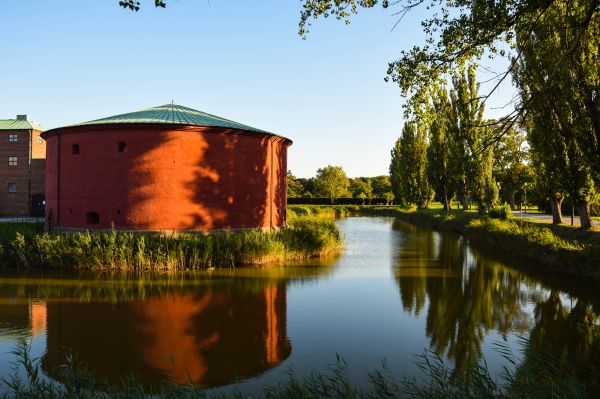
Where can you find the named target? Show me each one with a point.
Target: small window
(122, 147)
(92, 218)
(12, 187)
(118, 211)
(75, 149)
(13, 138)
(12, 161)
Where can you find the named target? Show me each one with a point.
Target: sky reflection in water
(396, 290)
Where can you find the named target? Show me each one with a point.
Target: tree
(295, 188)
(473, 157)
(381, 185)
(439, 150)
(331, 182)
(408, 166)
(360, 187)
(461, 31)
(511, 166)
(134, 5)
(389, 197)
(397, 173)
(564, 112)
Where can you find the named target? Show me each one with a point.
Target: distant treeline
(338, 201)
(331, 185)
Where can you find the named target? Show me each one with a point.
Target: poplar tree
(408, 167)
(439, 155)
(471, 134)
(564, 112)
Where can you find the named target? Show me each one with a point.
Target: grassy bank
(561, 249)
(539, 375)
(24, 245)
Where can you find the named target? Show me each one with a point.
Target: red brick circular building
(165, 168)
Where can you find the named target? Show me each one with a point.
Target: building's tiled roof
(17, 124)
(171, 114)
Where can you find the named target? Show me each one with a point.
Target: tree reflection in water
(469, 295)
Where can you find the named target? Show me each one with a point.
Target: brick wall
(18, 203)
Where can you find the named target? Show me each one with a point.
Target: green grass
(559, 248)
(321, 211)
(25, 246)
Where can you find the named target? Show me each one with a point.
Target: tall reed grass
(539, 375)
(26, 246)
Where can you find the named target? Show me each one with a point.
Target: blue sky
(63, 62)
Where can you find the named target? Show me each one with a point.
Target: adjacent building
(22, 167)
(165, 168)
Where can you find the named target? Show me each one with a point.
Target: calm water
(396, 290)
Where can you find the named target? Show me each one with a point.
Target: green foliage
(502, 212)
(381, 185)
(564, 126)
(459, 31)
(331, 182)
(320, 211)
(304, 238)
(361, 187)
(294, 187)
(408, 167)
(511, 164)
(471, 136)
(134, 5)
(439, 152)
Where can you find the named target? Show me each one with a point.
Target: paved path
(548, 218)
(22, 219)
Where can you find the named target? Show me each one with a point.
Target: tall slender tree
(473, 156)
(439, 149)
(408, 167)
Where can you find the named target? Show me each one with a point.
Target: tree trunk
(481, 207)
(446, 202)
(465, 202)
(583, 208)
(556, 202)
(511, 200)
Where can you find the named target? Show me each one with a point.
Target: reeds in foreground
(540, 375)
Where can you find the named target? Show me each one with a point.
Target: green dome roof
(170, 114)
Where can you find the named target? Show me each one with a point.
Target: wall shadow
(170, 178)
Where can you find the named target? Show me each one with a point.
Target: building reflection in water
(208, 339)
(22, 317)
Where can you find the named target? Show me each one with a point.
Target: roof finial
(172, 102)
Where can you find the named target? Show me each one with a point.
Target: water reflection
(396, 290)
(22, 317)
(207, 338)
(569, 330)
(209, 330)
(468, 294)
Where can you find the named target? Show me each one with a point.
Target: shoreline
(558, 249)
(28, 247)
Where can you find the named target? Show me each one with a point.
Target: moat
(396, 290)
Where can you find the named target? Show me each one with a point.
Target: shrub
(502, 212)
